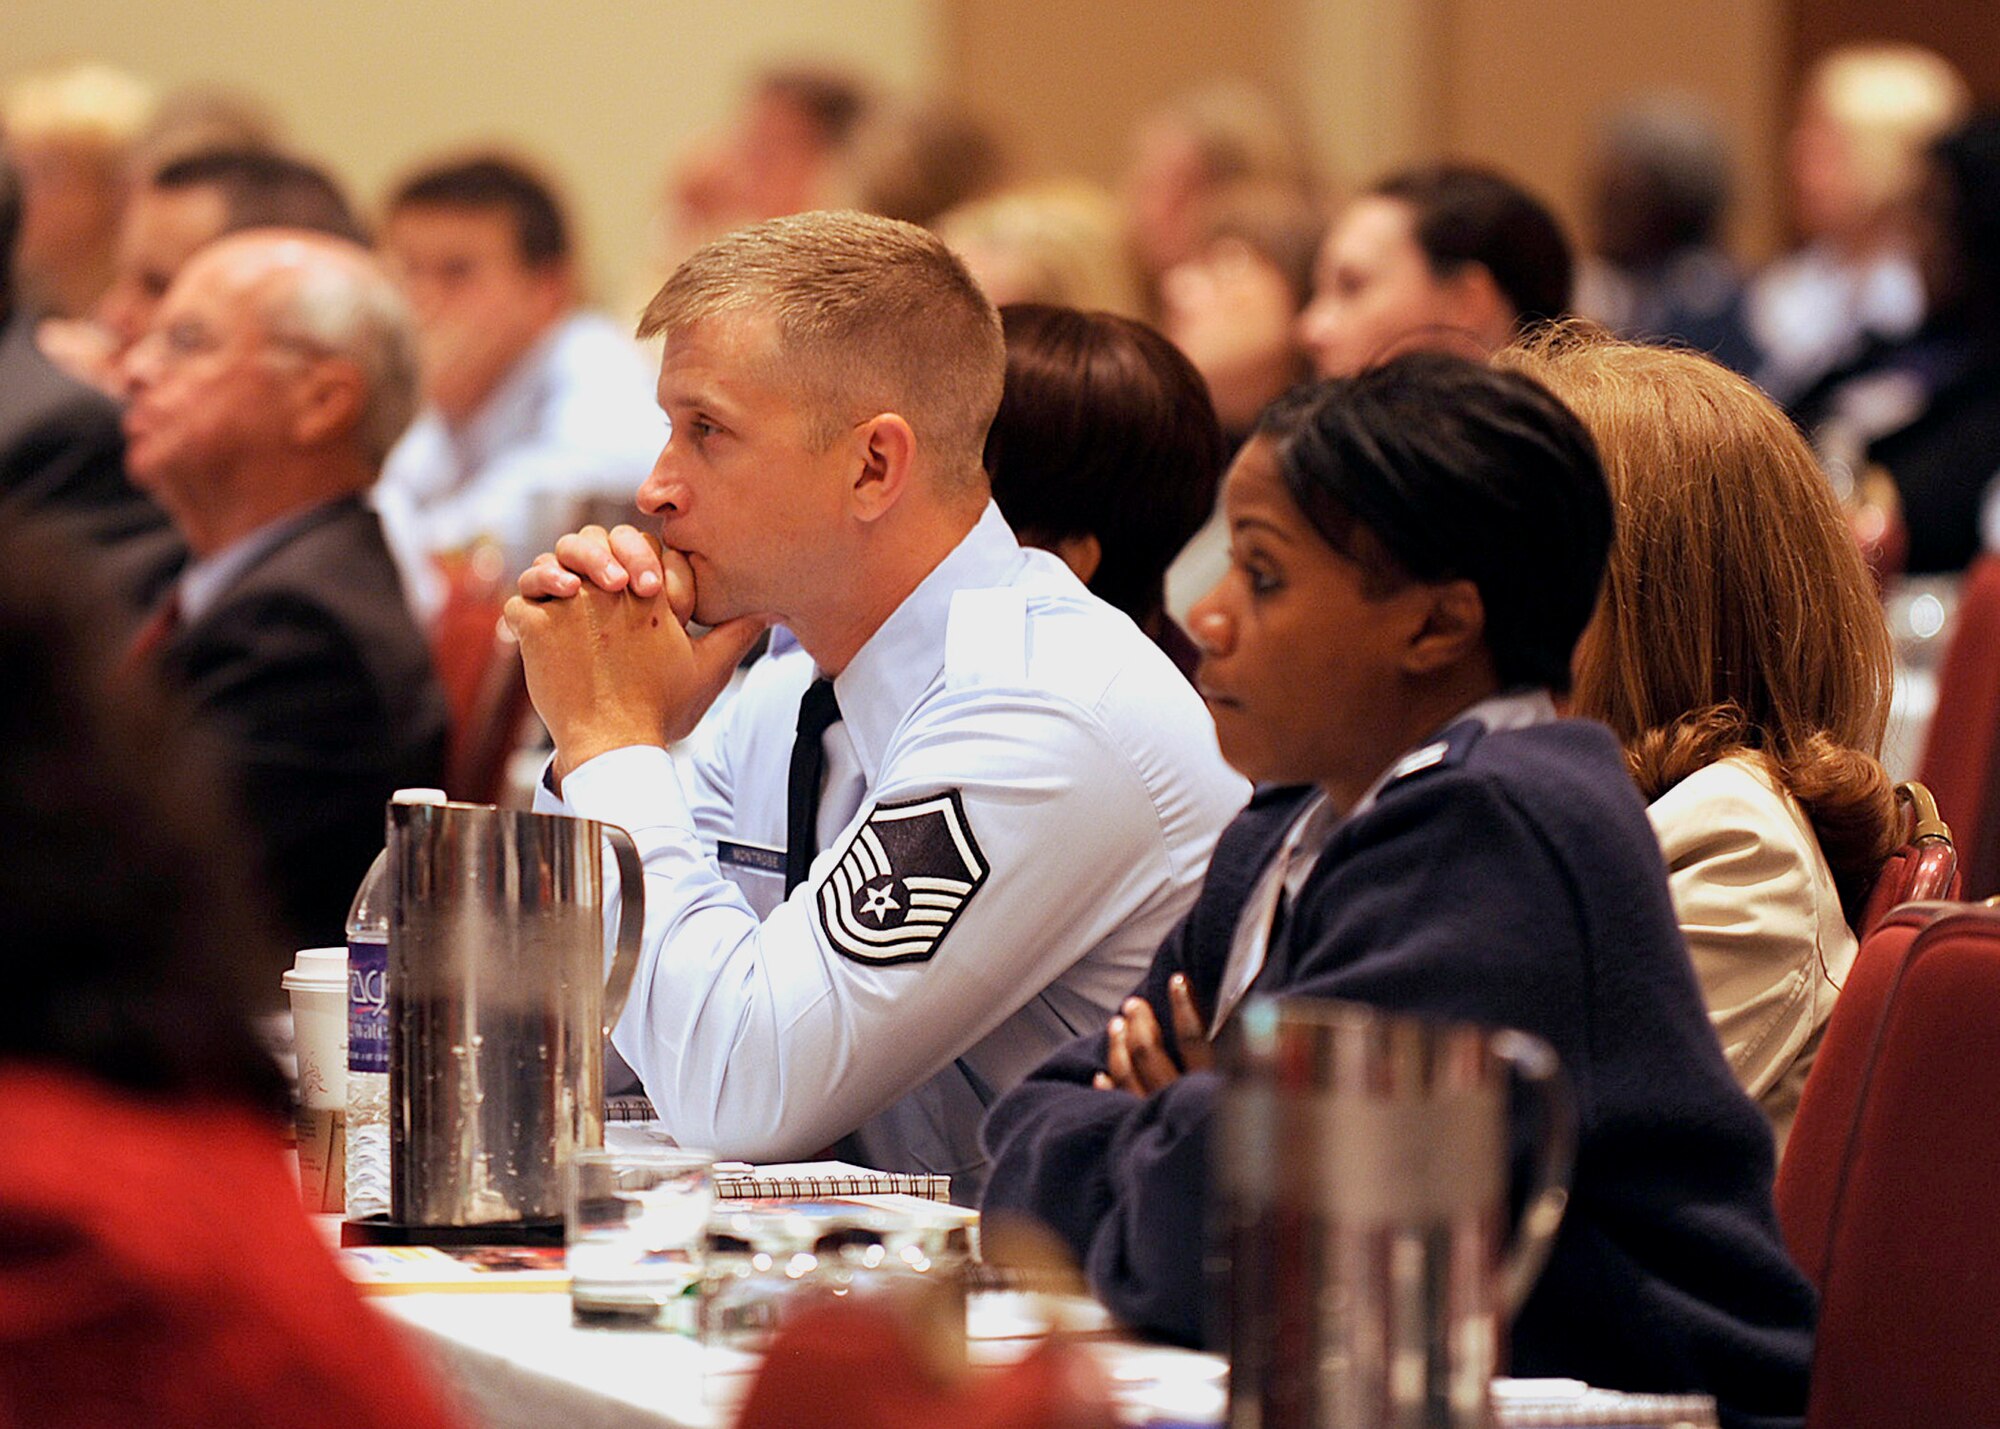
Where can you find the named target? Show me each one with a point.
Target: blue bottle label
(367, 1007)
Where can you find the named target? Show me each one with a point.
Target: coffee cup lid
(316, 968)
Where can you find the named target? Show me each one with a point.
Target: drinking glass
(634, 1223)
(766, 1260)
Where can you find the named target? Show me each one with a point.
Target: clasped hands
(602, 622)
(1136, 1059)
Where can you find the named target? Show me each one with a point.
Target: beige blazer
(1762, 917)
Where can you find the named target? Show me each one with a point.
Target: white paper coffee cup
(317, 984)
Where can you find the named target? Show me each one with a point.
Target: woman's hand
(1136, 1058)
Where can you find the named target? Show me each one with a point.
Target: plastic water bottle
(368, 1033)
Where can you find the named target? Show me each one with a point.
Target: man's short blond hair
(872, 316)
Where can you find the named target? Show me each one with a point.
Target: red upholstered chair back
(1909, 1277)
(479, 665)
(484, 743)
(1958, 760)
(1924, 867)
(461, 645)
(1816, 1155)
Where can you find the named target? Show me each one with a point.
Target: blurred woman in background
(1740, 655)
(1233, 305)
(71, 130)
(1188, 150)
(1449, 256)
(1867, 115)
(1055, 243)
(1910, 429)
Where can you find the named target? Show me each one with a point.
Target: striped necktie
(159, 628)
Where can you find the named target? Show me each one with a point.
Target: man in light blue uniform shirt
(1017, 796)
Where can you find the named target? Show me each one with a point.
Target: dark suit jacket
(1941, 460)
(1515, 882)
(313, 677)
(61, 452)
(1942, 463)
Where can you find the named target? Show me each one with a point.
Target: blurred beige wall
(1065, 81)
(1370, 74)
(1523, 84)
(604, 91)
(1519, 83)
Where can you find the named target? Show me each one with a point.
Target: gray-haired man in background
(277, 372)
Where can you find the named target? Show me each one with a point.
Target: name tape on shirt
(906, 875)
(754, 857)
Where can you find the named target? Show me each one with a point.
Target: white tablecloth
(516, 1360)
(518, 1363)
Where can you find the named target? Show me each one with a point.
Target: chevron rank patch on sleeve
(907, 874)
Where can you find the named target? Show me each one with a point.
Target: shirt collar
(905, 656)
(205, 581)
(1517, 708)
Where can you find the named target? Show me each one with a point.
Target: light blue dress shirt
(575, 419)
(1086, 790)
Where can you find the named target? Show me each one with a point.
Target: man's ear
(1452, 628)
(331, 395)
(886, 452)
(1478, 305)
(555, 289)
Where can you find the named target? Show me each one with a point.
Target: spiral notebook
(795, 1180)
(1571, 1404)
(813, 1180)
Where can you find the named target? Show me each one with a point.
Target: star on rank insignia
(906, 875)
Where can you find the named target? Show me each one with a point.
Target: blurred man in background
(1659, 192)
(781, 154)
(532, 409)
(61, 456)
(70, 130)
(1867, 115)
(914, 159)
(783, 151)
(187, 203)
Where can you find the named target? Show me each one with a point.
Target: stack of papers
(432, 1270)
(1572, 1404)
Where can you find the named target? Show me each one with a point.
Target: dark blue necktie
(817, 710)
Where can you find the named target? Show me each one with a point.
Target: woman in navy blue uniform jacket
(1413, 554)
